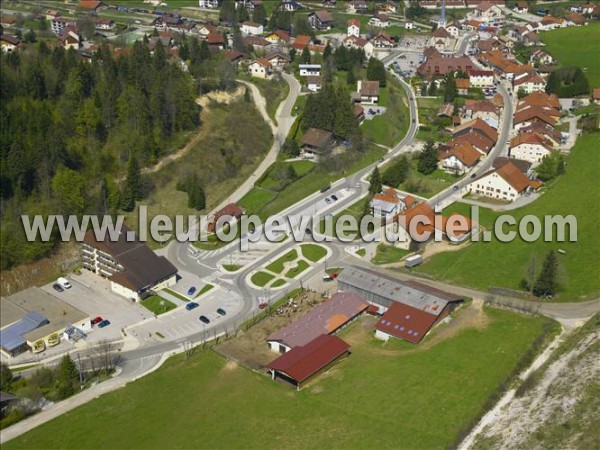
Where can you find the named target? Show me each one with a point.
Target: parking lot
(92, 295)
(414, 42)
(180, 323)
(373, 111)
(407, 63)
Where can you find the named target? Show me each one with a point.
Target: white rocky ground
(559, 411)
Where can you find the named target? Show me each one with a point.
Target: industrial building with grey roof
(384, 291)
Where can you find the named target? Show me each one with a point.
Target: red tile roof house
(596, 95)
(302, 363)
(459, 159)
(229, 211)
(325, 318)
(92, 5)
(506, 182)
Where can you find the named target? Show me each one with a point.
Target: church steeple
(442, 22)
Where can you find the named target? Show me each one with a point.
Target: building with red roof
(231, 210)
(305, 361)
(405, 322)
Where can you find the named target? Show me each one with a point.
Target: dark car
(191, 305)
(414, 121)
(474, 175)
(57, 287)
(455, 188)
(308, 231)
(204, 319)
(334, 198)
(192, 290)
(97, 320)
(104, 323)
(221, 312)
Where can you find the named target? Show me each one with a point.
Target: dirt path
(204, 101)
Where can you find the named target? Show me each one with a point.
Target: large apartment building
(132, 268)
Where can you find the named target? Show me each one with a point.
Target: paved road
(457, 190)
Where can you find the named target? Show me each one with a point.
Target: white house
(380, 21)
(310, 70)
(290, 5)
(389, 203)
(383, 40)
(487, 12)
(459, 159)
(251, 29)
(530, 147)
(504, 183)
(368, 91)
(357, 6)
(260, 68)
(529, 82)
(481, 78)
(314, 83)
(361, 43)
(521, 7)
(211, 4)
(453, 29)
(354, 28)
(541, 56)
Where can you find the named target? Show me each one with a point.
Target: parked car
(104, 323)
(327, 200)
(221, 312)
(204, 319)
(334, 198)
(263, 305)
(327, 278)
(97, 320)
(191, 305)
(192, 290)
(64, 283)
(57, 287)
(455, 188)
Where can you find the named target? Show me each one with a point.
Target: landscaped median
(288, 266)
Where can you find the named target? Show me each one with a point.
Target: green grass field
(485, 264)
(313, 252)
(300, 267)
(389, 128)
(261, 278)
(576, 46)
(157, 304)
(382, 396)
(274, 91)
(387, 254)
(277, 265)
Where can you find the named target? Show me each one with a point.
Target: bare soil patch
(250, 349)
